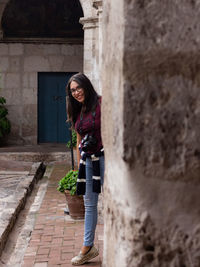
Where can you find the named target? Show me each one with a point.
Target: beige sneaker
(83, 258)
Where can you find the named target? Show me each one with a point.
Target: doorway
(52, 125)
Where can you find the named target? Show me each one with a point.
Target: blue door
(52, 126)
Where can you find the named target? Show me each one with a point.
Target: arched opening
(43, 43)
(42, 19)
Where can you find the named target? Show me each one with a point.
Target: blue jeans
(91, 202)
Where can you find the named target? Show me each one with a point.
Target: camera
(88, 142)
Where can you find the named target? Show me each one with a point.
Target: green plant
(68, 182)
(4, 122)
(74, 138)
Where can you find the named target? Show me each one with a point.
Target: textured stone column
(151, 133)
(90, 26)
(98, 5)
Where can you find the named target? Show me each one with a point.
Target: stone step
(35, 156)
(13, 195)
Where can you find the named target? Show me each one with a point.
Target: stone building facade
(143, 56)
(22, 59)
(20, 64)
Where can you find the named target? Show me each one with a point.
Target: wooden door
(52, 126)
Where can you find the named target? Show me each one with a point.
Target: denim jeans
(91, 202)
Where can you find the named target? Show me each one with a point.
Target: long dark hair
(91, 97)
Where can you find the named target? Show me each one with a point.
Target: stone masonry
(143, 55)
(19, 67)
(20, 63)
(151, 131)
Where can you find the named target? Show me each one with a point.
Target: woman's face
(77, 92)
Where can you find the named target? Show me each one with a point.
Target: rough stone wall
(19, 67)
(151, 131)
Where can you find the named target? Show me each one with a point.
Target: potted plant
(67, 185)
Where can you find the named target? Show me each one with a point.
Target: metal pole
(71, 147)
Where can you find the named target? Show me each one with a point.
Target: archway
(44, 36)
(42, 19)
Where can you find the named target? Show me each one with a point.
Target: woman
(84, 112)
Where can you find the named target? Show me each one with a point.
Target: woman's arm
(77, 149)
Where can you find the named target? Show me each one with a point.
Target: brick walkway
(56, 238)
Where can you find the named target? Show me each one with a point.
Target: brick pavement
(56, 238)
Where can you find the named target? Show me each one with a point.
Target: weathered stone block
(2, 81)
(34, 49)
(12, 80)
(15, 64)
(89, 34)
(14, 113)
(33, 80)
(29, 95)
(87, 65)
(4, 64)
(16, 49)
(72, 64)
(3, 49)
(52, 49)
(87, 54)
(12, 96)
(89, 44)
(36, 63)
(87, 8)
(68, 50)
(25, 80)
(29, 123)
(162, 80)
(56, 63)
(79, 50)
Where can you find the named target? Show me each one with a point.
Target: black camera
(88, 142)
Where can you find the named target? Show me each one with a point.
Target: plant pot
(76, 205)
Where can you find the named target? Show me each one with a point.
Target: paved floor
(56, 238)
(44, 148)
(35, 153)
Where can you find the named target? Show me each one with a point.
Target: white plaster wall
(19, 66)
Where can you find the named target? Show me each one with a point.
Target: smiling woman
(84, 112)
(42, 19)
(77, 92)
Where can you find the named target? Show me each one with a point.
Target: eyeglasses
(78, 89)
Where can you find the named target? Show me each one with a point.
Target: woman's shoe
(83, 258)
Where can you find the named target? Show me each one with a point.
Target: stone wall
(48, 61)
(151, 131)
(19, 67)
